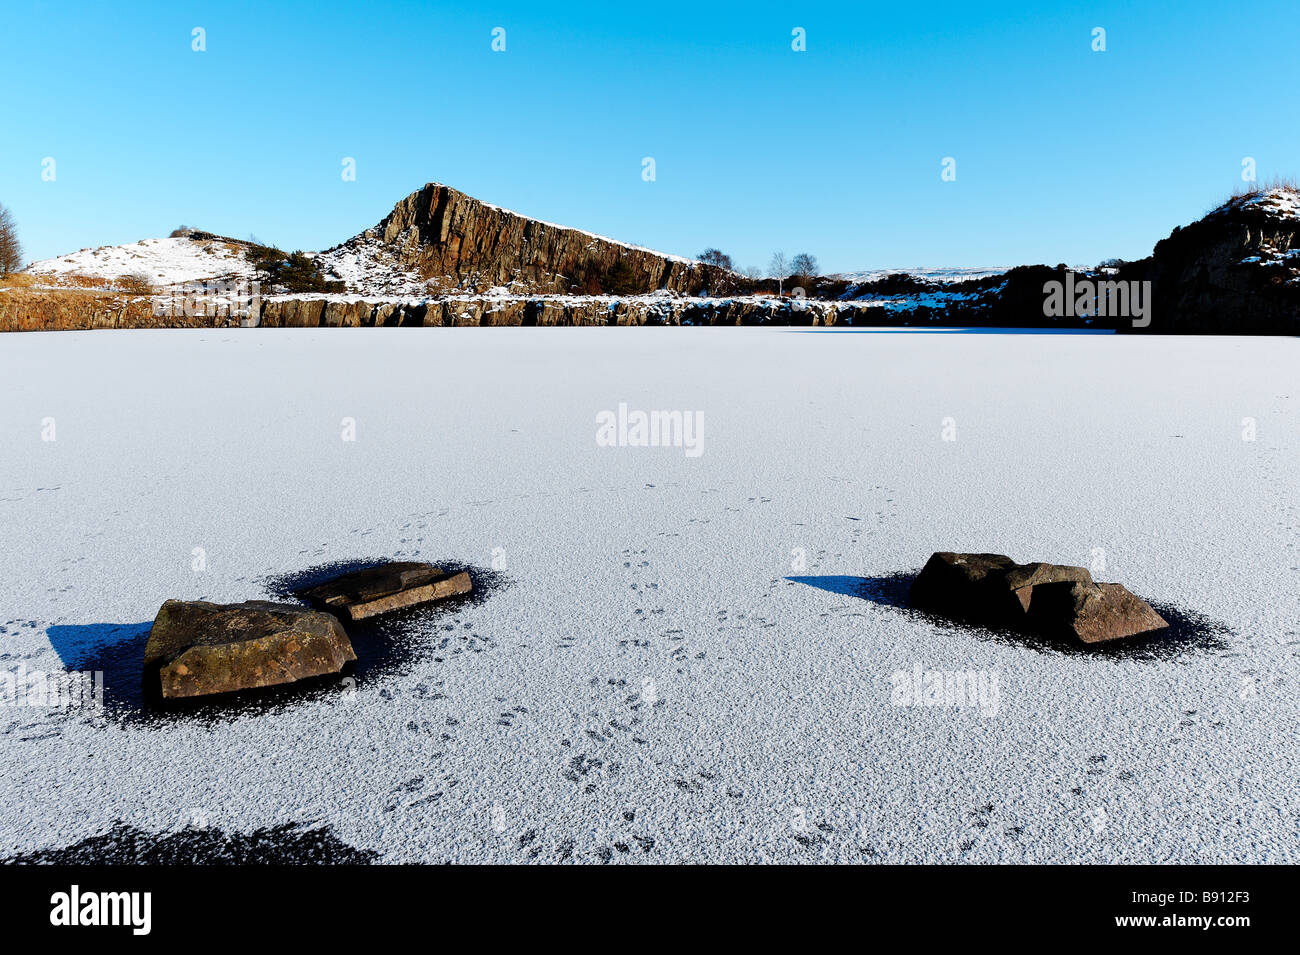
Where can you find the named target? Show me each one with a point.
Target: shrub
(622, 279)
(137, 283)
(292, 271)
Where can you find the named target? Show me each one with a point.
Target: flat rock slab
(376, 590)
(1052, 600)
(198, 648)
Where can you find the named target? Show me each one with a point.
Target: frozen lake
(676, 659)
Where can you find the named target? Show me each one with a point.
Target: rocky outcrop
(196, 648)
(452, 239)
(52, 310)
(393, 586)
(565, 310)
(1051, 600)
(23, 311)
(1234, 272)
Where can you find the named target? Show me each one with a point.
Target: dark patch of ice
(1188, 631)
(286, 844)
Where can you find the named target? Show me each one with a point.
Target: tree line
(802, 267)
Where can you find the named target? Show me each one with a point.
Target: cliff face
(45, 310)
(446, 236)
(571, 310)
(63, 311)
(1234, 272)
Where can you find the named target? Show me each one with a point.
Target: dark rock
(1053, 600)
(1022, 579)
(197, 648)
(1232, 272)
(965, 586)
(376, 590)
(1091, 612)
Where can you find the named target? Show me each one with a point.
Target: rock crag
(1234, 272)
(452, 239)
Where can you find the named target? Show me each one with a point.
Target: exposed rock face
(77, 312)
(198, 648)
(1052, 600)
(376, 590)
(443, 234)
(41, 310)
(1236, 271)
(565, 310)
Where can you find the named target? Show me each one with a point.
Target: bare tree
(11, 252)
(717, 258)
(719, 272)
(780, 269)
(804, 266)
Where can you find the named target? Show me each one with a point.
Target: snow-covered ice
(651, 685)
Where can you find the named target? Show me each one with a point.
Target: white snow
(643, 574)
(171, 261)
(369, 268)
(1279, 201)
(926, 274)
(942, 298)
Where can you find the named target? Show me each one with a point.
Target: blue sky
(1062, 153)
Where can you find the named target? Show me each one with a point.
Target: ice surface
(650, 672)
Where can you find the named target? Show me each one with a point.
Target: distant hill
(1235, 271)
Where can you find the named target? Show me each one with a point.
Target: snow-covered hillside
(935, 275)
(369, 268)
(1278, 201)
(162, 262)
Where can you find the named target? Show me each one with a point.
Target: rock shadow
(1188, 632)
(114, 649)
